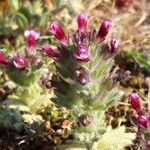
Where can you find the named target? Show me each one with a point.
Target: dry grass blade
(91, 4)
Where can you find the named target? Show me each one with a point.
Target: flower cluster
(22, 67)
(143, 119)
(80, 44)
(18, 61)
(83, 81)
(31, 37)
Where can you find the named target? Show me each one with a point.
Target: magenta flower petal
(134, 100)
(49, 51)
(82, 22)
(3, 59)
(114, 46)
(20, 62)
(31, 36)
(143, 121)
(82, 54)
(104, 29)
(56, 29)
(33, 33)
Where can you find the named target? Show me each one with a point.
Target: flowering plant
(25, 69)
(142, 120)
(22, 68)
(84, 81)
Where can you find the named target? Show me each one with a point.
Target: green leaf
(23, 78)
(44, 19)
(115, 139)
(21, 20)
(26, 12)
(10, 119)
(141, 58)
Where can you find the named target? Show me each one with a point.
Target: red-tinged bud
(58, 31)
(31, 36)
(3, 59)
(122, 76)
(82, 22)
(114, 46)
(50, 52)
(104, 29)
(83, 79)
(143, 121)
(20, 62)
(123, 3)
(82, 54)
(134, 100)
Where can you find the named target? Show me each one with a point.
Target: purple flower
(49, 51)
(3, 59)
(135, 103)
(82, 22)
(31, 36)
(143, 121)
(104, 29)
(82, 54)
(114, 46)
(58, 31)
(20, 62)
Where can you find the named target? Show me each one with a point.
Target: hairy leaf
(115, 139)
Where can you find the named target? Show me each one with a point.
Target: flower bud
(114, 46)
(83, 79)
(20, 62)
(31, 36)
(58, 31)
(3, 59)
(82, 76)
(50, 52)
(122, 76)
(82, 22)
(143, 121)
(123, 3)
(104, 29)
(135, 103)
(82, 54)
